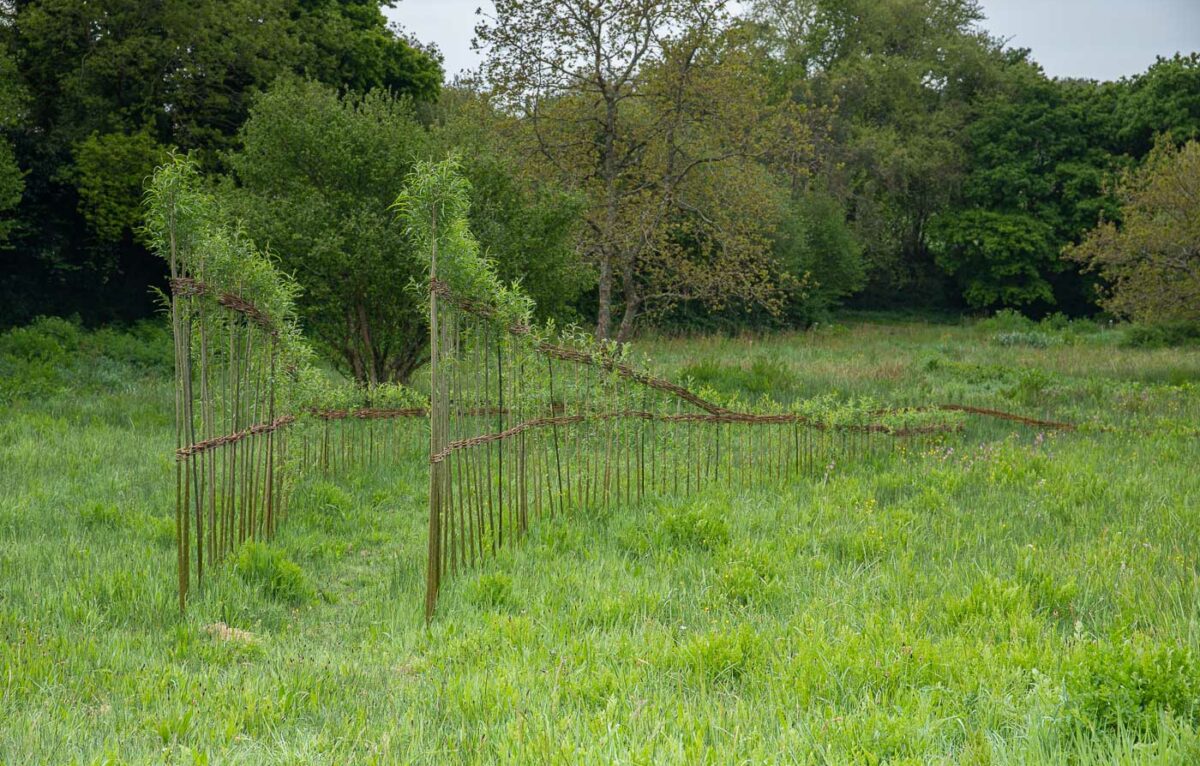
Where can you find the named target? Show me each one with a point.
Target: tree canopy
(674, 163)
(117, 82)
(1151, 260)
(654, 113)
(314, 181)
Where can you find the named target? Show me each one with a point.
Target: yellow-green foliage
(186, 225)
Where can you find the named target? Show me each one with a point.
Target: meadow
(1003, 596)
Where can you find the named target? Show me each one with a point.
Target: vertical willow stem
(433, 570)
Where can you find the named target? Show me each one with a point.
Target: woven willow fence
(525, 425)
(523, 422)
(252, 416)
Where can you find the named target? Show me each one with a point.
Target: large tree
(13, 100)
(314, 180)
(1165, 99)
(653, 112)
(897, 78)
(1035, 172)
(118, 81)
(1151, 260)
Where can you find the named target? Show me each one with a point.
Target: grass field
(1007, 596)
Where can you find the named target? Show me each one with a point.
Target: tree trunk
(402, 364)
(633, 304)
(609, 172)
(373, 363)
(604, 314)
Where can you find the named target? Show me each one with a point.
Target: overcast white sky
(1099, 39)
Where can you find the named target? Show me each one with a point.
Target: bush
(1007, 321)
(1163, 335)
(1031, 386)
(33, 359)
(143, 347)
(52, 354)
(816, 247)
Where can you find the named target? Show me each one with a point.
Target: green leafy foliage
(821, 253)
(434, 206)
(1163, 100)
(313, 180)
(1151, 260)
(113, 170)
(52, 355)
(12, 103)
(271, 570)
(1034, 183)
(895, 79)
(528, 229)
(1134, 683)
(676, 205)
(1162, 334)
(188, 226)
(1000, 257)
(136, 74)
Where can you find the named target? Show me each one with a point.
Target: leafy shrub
(1057, 321)
(1010, 328)
(274, 573)
(1031, 386)
(144, 347)
(1162, 335)
(46, 339)
(33, 358)
(51, 355)
(1007, 320)
(1132, 683)
(1033, 339)
(818, 248)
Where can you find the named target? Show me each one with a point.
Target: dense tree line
(635, 162)
(93, 94)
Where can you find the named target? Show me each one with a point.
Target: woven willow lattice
(522, 422)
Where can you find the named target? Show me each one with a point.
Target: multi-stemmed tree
(1151, 261)
(655, 113)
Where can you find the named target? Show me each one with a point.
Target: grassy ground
(1005, 597)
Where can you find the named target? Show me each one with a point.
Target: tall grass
(1015, 598)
